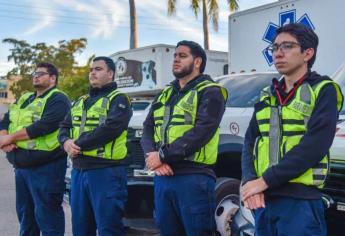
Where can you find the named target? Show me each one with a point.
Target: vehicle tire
(227, 204)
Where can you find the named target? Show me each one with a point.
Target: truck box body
(147, 70)
(252, 31)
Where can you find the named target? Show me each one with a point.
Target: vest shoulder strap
(53, 91)
(340, 97)
(207, 84)
(265, 92)
(165, 94)
(23, 98)
(107, 100)
(80, 99)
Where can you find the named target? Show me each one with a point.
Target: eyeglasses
(38, 74)
(284, 47)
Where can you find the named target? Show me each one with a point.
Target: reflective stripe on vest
(87, 120)
(21, 118)
(172, 122)
(282, 128)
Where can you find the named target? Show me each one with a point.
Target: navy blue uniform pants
(284, 216)
(98, 198)
(39, 195)
(185, 205)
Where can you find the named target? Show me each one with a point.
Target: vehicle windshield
(244, 90)
(339, 77)
(140, 105)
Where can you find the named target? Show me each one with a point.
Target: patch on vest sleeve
(187, 106)
(122, 106)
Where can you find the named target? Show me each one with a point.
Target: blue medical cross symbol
(285, 17)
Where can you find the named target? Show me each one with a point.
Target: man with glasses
(285, 157)
(28, 134)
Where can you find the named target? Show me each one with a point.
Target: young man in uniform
(94, 135)
(285, 157)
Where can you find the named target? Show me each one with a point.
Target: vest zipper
(170, 117)
(256, 150)
(280, 131)
(112, 149)
(284, 148)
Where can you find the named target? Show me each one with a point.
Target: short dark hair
(304, 35)
(196, 50)
(51, 69)
(108, 61)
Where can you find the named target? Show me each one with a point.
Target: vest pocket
(255, 154)
(289, 143)
(262, 157)
(176, 131)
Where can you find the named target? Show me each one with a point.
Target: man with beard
(180, 139)
(29, 136)
(94, 135)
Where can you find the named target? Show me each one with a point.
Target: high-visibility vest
(23, 117)
(282, 128)
(87, 120)
(171, 122)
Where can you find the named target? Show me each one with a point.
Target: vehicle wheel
(227, 204)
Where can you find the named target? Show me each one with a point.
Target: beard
(186, 71)
(39, 86)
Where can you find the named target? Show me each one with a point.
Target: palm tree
(133, 25)
(209, 12)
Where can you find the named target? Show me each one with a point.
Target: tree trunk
(133, 25)
(205, 25)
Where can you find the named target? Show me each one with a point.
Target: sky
(105, 24)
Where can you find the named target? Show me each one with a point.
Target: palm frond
(172, 7)
(233, 5)
(195, 6)
(213, 13)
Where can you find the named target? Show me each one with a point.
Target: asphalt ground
(8, 218)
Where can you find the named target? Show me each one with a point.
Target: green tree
(26, 56)
(210, 11)
(77, 85)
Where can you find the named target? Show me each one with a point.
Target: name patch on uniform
(100, 110)
(187, 106)
(301, 107)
